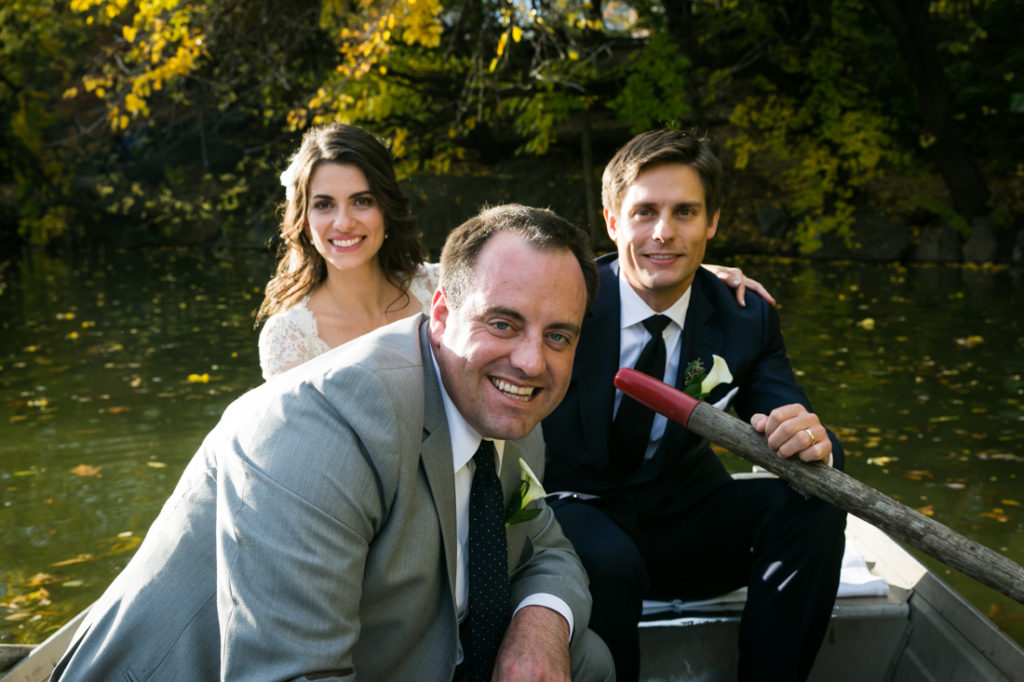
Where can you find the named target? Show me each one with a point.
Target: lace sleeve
(284, 343)
(424, 283)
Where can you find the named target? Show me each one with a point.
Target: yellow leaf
(129, 33)
(81, 558)
(867, 323)
(517, 34)
(40, 579)
(85, 470)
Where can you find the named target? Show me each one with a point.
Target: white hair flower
(288, 181)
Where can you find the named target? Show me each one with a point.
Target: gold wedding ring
(813, 439)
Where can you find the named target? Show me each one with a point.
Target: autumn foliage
(174, 117)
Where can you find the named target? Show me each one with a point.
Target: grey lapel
(436, 455)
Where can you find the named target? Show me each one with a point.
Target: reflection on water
(113, 367)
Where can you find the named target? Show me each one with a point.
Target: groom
(347, 518)
(668, 522)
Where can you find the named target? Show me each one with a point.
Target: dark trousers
(756, 532)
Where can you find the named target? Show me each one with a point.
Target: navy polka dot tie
(631, 429)
(488, 565)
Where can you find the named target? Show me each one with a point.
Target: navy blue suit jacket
(684, 468)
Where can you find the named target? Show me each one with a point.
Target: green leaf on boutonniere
(530, 489)
(699, 382)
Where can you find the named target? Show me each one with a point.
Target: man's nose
(528, 356)
(662, 229)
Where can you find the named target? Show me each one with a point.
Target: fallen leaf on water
(928, 510)
(199, 378)
(74, 583)
(86, 470)
(81, 558)
(881, 461)
(41, 579)
(156, 465)
(1011, 503)
(970, 341)
(115, 409)
(956, 486)
(997, 514)
(944, 418)
(867, 323)
(15, 617)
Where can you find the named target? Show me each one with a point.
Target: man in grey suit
(321, 530)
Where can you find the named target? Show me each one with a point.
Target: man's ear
(438, 315)
(713, 225)
(609, 223)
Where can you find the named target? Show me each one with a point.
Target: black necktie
(631, 430)
(488, 565)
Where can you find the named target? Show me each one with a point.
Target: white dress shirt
(633, 336)
(465, 441)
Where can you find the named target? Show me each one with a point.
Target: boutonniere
(529, 490)
(699, 382)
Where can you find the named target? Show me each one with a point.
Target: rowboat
(913, 627)
(916, 628)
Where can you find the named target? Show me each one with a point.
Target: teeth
(345, 243)
(660, 256)
(522, 393)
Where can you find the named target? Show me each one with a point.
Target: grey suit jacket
(313, 536)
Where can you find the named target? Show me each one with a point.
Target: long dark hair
(300, 267)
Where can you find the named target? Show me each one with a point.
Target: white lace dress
(290, 337)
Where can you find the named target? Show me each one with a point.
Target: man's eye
(559, 338)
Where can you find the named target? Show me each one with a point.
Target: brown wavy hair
(300, 267)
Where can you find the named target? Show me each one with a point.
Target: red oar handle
(656, 395)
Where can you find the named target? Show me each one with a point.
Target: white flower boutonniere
(530, 489)
(699, 382)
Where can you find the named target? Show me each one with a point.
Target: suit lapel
(436, 456)
(594, 369)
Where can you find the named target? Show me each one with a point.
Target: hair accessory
(288, 181)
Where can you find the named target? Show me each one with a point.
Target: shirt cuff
(549, 601)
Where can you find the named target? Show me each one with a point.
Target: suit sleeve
(292, 540)
(548, 563)
(770, 383)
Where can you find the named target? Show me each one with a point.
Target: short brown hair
(657, 147)
(541, 228)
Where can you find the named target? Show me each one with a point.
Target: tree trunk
(907, 20)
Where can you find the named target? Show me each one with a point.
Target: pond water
(113, 366)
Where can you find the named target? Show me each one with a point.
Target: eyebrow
(350, 196)
(518, 317)
(676, 206)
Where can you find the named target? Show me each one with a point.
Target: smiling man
(347, 518)
(661, 517)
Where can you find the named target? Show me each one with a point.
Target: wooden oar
(829, 484)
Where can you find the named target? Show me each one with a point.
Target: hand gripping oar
(829, 484)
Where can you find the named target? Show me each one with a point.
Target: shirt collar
(465, 439)
(633, 309)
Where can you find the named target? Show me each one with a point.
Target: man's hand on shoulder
(535, 647)
(792, 430)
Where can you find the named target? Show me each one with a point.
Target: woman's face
(345, 222)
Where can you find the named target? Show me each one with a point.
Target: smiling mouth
(521, 393)
(661, 256)
(345, 243)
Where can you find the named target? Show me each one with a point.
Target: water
(114, 366)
